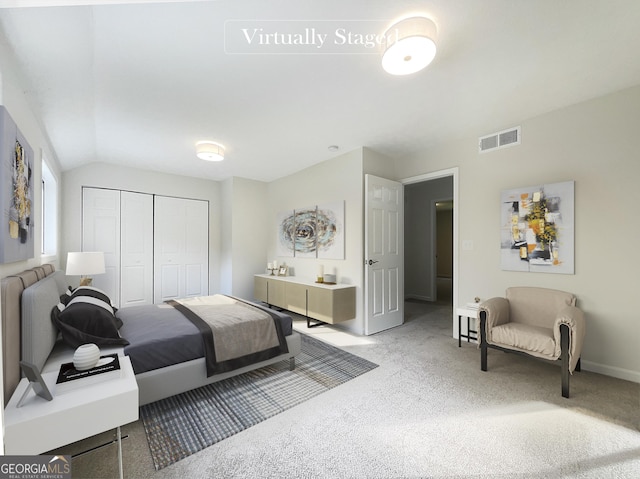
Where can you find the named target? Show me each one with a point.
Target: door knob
(372, 261)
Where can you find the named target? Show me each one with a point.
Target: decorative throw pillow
(90, 295)
(64, 298)
(87, 320)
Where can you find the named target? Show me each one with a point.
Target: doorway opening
(444, 249)
(430, 241)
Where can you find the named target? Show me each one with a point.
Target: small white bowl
(86, 357)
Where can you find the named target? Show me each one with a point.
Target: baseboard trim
(620, 373)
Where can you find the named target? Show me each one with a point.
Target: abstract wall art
(312, 232)
(16, 193)
(330, 230)
(537, 228)
(286, 232)
(305, 233)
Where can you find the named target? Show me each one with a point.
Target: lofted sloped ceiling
(138, 83)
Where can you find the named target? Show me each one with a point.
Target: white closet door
(101, 232)
(136, 272)
(181, 248)
(196, 254)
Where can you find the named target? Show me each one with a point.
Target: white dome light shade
(410, 46)
(209, 151)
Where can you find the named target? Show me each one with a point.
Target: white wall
(226, 237)
(244, 239)
(595, 143)
(377, 164)
(340, 178)
(12, 87)
(101, 175)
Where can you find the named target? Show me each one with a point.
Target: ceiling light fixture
(410, 46)
(209, 151)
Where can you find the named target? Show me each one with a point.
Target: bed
(30, 334)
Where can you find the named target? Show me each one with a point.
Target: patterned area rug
(182, 425)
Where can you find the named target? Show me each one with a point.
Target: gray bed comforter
(160, 336)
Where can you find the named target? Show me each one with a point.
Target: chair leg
(483, 341)
(564, 356)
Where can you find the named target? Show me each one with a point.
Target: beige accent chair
(540, 322)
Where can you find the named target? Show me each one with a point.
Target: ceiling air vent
(498, 140)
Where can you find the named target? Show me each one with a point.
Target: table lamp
(85, 263)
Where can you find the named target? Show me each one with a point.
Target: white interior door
(101, 232)
(136, 261)
(384, 254)
(181, 248)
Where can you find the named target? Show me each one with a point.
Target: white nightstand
(469, 313)
(39, 425)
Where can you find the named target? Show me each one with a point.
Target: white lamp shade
(410, 46)
(209, 151)
(85, 263)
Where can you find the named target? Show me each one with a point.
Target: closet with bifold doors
(155, 247)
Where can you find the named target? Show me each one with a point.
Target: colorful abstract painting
(312, 232)
(537, 228)
(16, 197)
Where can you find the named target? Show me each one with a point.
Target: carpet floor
(427, 411)
(182, 425)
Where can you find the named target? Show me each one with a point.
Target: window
(49, 211)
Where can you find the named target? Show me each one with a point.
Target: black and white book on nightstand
(70, 378)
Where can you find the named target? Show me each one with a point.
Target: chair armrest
(496, 312)
(573, 317)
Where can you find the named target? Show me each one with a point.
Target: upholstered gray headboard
(12, 290)
(39, 333)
